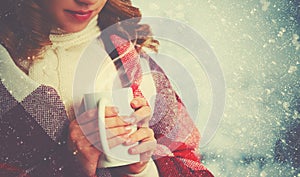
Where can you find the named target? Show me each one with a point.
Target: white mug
(116, 156)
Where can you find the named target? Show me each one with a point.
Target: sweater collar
(68, 40)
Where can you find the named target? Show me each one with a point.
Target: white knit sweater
(57, 65)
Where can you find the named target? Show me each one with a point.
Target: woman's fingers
(138, 102)
(115, 141)
(119, 121)
(115, 136)
(142, 116)
(142, 111)
(111, 134)
(92, 114)
(111, 111)
(143, 147)
(141, 135)
(87, 116)
(88, 120)
(78, 139)
(145, 150)
(147, 144)
(118, 131)
(86, 127)
(146, 156)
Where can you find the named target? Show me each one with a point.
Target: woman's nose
(86, 2)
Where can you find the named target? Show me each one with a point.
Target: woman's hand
(144, 135)
(84, 138)
(82, 147)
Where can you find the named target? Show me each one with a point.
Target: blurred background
(258, 48)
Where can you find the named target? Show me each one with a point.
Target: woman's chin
(71, 29)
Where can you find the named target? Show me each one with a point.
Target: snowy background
(257, 44)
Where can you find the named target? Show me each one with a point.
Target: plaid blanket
(34, 124)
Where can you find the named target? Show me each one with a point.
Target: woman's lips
(80, 15)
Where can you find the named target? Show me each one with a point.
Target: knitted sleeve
(177, 136)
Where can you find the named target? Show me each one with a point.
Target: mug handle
(101, 124)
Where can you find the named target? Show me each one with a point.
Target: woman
(42, 135)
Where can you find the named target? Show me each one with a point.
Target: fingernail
(116, 109)
(128, 128)
(128, 141)
(132, 151)
(129, 120)
(126, 137)
(134, 102)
